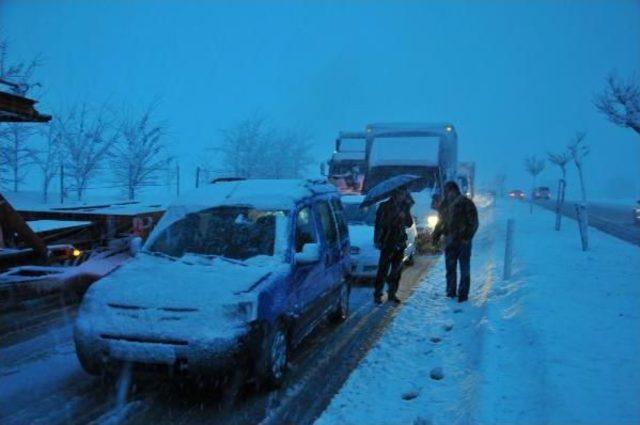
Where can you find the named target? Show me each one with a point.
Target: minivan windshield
(237, 233)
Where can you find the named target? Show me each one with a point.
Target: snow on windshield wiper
(221, 257)
(160, 254)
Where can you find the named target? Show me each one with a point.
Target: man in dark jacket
(390, 237)
(458, 224)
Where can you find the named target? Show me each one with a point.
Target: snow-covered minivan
(238, 271)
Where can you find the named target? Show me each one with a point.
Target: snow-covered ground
(558, 343)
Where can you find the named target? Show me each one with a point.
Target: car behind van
(364, 254)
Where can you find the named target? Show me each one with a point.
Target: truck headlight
(432, 221)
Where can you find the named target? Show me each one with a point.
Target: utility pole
(61, 183)
(178, 180)
(197, 177)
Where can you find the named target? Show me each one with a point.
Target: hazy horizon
(516, 78)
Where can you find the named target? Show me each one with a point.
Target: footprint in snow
(447, 326)
(436, 373)
(421, 421)
(457, 310)
(410, 395)
(435, 339)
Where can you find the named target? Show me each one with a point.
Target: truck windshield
(233, 232)
(428, 175)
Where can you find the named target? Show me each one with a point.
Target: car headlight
(244, 310)
(355, 250)
(432, 221)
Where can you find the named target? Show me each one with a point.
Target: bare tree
(48, 157)
(578, 149)
(620, 102)
(561, 160)
(253, 149)
(15, 152)
(86, 139)
(533, 166)
(140, 152)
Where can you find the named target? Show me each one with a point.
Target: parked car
(517, 194)
(235, 273)
(542, 192)
(364, 255)
(636, 213)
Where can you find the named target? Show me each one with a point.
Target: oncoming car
(364, 255)
(542, 192)
(235, 274)
(516, 194)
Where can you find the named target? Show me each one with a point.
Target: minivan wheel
(342, 309)
(273, 357)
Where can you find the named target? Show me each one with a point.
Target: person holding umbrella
(393, 217)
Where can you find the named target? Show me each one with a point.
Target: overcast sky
(514, 77)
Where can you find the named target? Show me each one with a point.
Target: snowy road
(42, 381)
(613, 219)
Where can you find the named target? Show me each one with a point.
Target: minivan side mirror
(310, 254)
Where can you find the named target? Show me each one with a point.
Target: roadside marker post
(583, 225)
(508, 250)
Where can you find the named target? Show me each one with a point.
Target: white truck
(429, 151)
(348, 163)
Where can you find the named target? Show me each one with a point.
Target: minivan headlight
(244, 310)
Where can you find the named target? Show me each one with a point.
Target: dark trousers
(454, 253)
(389, 269)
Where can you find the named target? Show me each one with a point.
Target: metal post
(197, 177)
(508, 250)
(178, 180)
(583, 225)
(61, 183)
(559, 202)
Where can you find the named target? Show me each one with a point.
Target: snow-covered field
(558, 343)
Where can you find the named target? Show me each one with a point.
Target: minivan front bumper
(190, 356)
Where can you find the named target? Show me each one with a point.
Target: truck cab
(348, 162)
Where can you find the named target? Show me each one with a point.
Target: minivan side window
(328, 223)
(305, 230)
(339, 213)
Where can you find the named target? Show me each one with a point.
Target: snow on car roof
(48, 225)
(437, 127)
(277, 194)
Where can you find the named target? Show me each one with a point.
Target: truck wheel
(342, 309)
(272, 359)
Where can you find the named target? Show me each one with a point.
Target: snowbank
(558, 343)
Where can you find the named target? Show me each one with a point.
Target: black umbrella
(385, 188)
